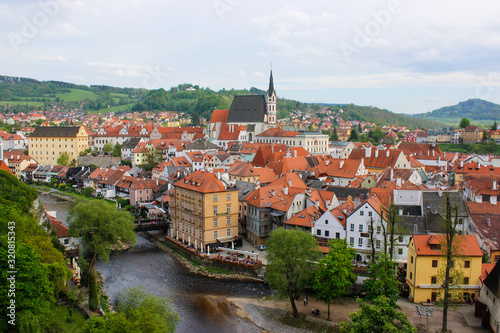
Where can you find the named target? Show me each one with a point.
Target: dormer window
(435, 246)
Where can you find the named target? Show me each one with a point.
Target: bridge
(152, 224)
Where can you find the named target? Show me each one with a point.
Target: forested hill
(473, 109)
(22, 94)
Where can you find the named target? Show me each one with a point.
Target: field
(78, 95)
(39, 104)
(116, 108)
(455, 121)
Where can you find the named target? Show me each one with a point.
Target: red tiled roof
(219, 116)
(305, 218)
(466, 245)
(201, 181)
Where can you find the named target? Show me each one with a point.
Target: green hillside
(24, 94)
(478, 111)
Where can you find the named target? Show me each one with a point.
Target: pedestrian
(306, 301)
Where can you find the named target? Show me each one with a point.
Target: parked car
(262, 247)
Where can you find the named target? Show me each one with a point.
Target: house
(472, 134)
(142, 190)
(426, 262)
(489, 298)
(204, 211)
(46, 144)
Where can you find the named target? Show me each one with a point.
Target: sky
(406, 56)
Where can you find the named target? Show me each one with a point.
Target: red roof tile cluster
(465, 245)
(201, 181)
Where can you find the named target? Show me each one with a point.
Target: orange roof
(305, 218)
(5, 167)
(241, 169)
(266, 175)
(219, 116)
(201, 181)
(466, 245)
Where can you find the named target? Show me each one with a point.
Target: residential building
(204, 211)
(426, 262)
(46, 144)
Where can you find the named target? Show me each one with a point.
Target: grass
(37, 104)
(116, 108)
(301, 322)
(76, 195)
(455, 121)
(78, 95)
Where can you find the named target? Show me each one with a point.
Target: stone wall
(100, 161)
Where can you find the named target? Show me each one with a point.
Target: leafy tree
(101, 227)
(381, 317)
(334, 277)
(117, 150)
(88, 192)
(354, 135)
(464, 123)
(290, 255)
(335, 136)
(85, 152)
(63, 159)
(108, 147)
(195, 119)
(73, 163)
(138, 311)
(383, 280)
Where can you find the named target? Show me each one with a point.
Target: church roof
(247, 109)
(271, 85)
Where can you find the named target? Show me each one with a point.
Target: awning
(226, 239)
(275, 213)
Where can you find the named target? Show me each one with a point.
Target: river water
(156, 271)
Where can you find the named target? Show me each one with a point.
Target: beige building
(316, 143)
(46, 144)
(204, 211)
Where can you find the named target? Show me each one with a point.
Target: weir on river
(156, 271)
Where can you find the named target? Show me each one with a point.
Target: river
(156, 271)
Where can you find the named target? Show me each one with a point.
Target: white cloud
(54, 58)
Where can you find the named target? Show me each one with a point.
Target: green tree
(383, 280)
(291, 255)
(464, 123)
(354, 135)
(88, 192)
(101, 227)
(63, 159)
(108, 147)
(381, 317)
(334, 277)
(137, 311)
(117, 150)
(195, 119)
(335, 136)
(494, 126)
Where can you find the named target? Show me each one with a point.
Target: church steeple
(271, 101)
(271, 85)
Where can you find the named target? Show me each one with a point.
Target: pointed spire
(271, 84)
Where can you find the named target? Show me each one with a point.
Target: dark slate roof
(244, 189)
(247, 109)
(493, 279)
(131, 143)
(58, 132)
(413, 225)
(344, 192)
(202, 144)
(435, 203)
(271, 85)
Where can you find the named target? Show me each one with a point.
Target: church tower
(271, 102)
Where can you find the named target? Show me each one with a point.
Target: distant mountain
(476, 110)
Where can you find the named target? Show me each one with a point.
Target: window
(228, 220)
(379, 229)
(433, 280)
(229, 196)
(361, 213)
(215, 197)
(351, 240)
(318, 232)
(326, 221)
(352, 227)
(327, 233)
(434, 263)
(215, 222)
(411, 275)
(215, 234)
(360, 241)
(360, 228)
(337, 235)
(467, 264)
(215, 210)
(400, 239)
(370, 213)
(228, 208)
(400, 251)
(466, 280)
(228, 232)
(451, 280)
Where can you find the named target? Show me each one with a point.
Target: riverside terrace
(221, 255)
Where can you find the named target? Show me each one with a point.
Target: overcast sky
(405, 56)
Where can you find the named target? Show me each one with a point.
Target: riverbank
(192, 266)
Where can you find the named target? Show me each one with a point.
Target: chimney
(290, 182)
(461, 164)
(316, 204)
(272, 148)
(285, 190)
(328, 204)
(398, 182)
(157, 182)
(341, 163)
(368, 152)
(217, 174)
(387, 153)
(494, 185)
(392, 175)
(493, 200)
(295, 153)
(327, 162)
(433, 152)
(488, 221)
(257, 184)
(376, 152)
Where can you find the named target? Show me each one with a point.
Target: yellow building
(204, 211)
(426, 265)
(46, 144)
(243, 171)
